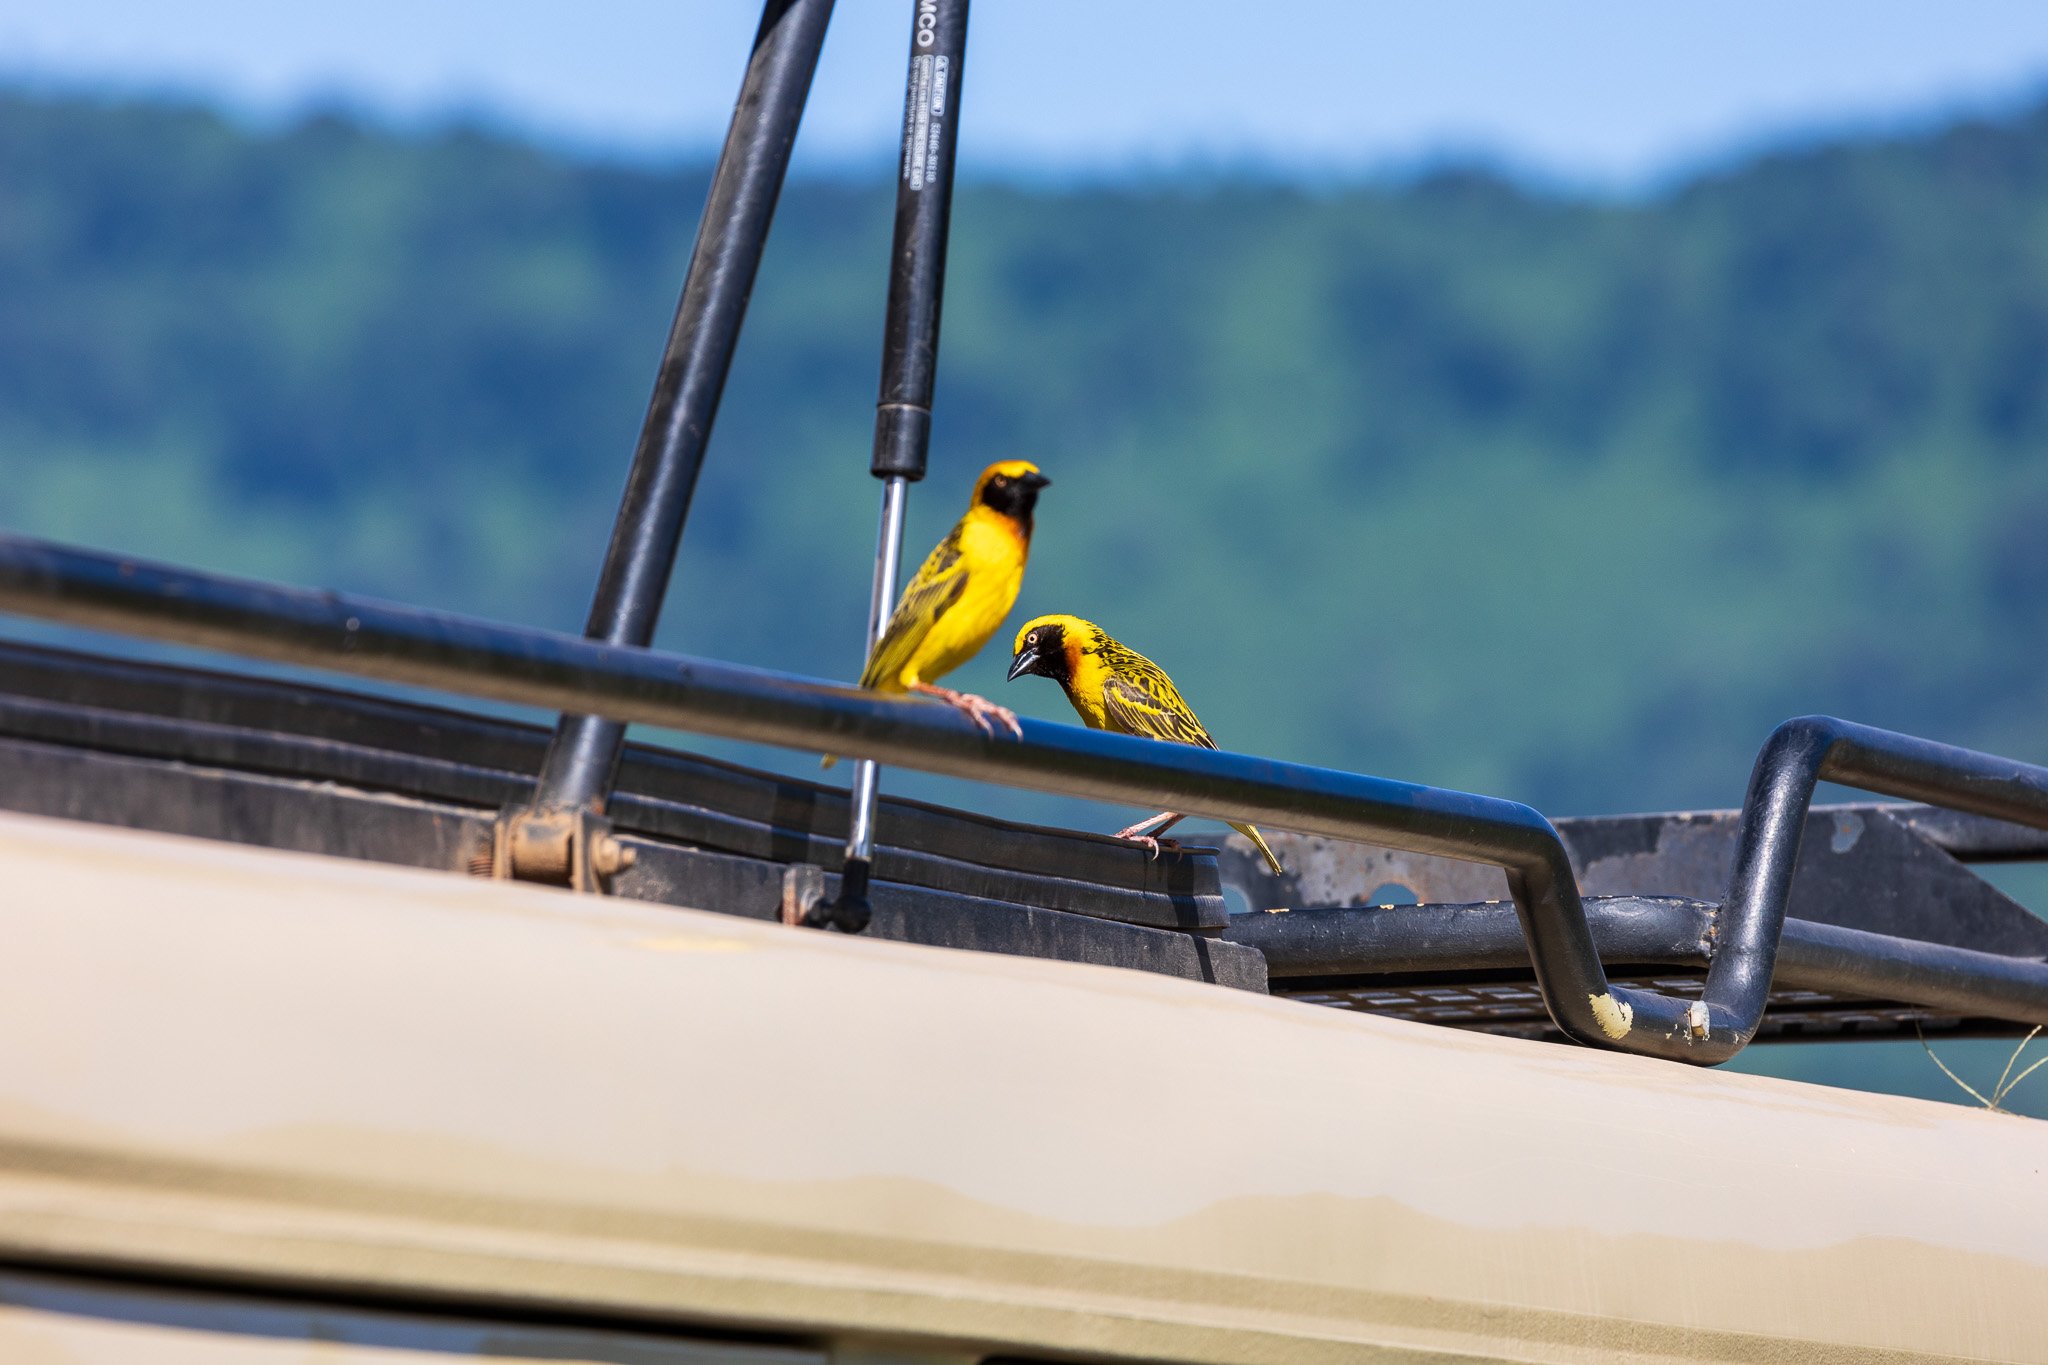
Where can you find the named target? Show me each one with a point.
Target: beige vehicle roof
(292, 1071)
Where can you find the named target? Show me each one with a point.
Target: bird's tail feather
(1265, 849)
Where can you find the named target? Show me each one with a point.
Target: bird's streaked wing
(938, 585)
(1138, 699)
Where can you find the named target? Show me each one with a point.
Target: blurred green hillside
(1448, 479)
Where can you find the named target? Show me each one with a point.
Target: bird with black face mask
(960, 596)
(1114, 687)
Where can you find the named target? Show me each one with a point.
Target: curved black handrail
(1798, 755)
(570, 673)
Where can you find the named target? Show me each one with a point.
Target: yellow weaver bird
(967, 586)
(1114, 687)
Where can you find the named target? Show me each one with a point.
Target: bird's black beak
(1034, 481)
(1025, 662)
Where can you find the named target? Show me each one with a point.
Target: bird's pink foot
(1151, 824)
(980, 710)
(1149, 842)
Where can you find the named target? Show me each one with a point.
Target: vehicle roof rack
(1903, 934)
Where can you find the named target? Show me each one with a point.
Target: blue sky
(1598, 91)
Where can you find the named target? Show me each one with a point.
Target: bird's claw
(981, 710)
(1150, 843)
(1009, 718)
(977, 709)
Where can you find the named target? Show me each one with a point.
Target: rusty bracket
(803, 888)
(572, 848)
(805, 906)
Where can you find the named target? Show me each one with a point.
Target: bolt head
(610, 857)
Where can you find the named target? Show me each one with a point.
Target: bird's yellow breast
(1086, 676)
(994, 550)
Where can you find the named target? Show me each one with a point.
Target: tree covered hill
(1564, 499)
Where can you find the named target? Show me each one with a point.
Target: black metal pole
(582, 762)
(917, 265)
(910, 358)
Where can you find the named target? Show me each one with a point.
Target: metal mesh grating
(1515, 1008)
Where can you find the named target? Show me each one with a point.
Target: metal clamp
(575, 849)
